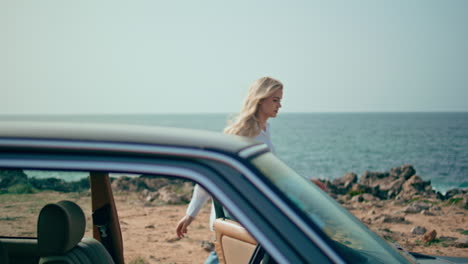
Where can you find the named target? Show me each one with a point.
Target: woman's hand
(182, 225)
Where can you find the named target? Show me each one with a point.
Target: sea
(329, 145)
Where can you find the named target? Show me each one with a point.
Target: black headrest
(60, 227)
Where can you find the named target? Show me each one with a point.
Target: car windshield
(347, 235)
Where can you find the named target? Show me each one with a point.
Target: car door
(223, 176)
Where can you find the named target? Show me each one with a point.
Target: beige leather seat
(3, 254)
(233, 243)
(60, 231)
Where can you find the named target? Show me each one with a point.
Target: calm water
(328, 145)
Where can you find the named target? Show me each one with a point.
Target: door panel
(233, 243)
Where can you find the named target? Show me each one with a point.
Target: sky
(151, 56)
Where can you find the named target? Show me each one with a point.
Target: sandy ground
(149, 231)
(448, 222)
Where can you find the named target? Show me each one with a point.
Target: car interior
(61, 227)
(57, 232)
(54, 228)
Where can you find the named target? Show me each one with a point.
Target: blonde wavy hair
(246, 123)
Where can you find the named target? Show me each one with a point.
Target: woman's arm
(199, 198)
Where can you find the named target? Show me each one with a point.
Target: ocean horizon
(329, 145)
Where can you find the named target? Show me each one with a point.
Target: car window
(148, 207)
(347, 235)
(24, 193)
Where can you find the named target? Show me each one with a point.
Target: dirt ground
(449, 222)
(149, 232)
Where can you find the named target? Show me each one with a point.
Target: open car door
(233, 243)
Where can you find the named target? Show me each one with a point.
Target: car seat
(3, 254)
(60, 231)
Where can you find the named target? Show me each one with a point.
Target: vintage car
(280, 216)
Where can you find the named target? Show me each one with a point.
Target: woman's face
(270, 106)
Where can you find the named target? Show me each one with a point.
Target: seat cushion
(88, 251)
(95, 250)
(74, 256)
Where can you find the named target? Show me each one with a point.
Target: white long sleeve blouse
(200, 196)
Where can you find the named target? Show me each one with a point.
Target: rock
(416, 208)
(390, 235)
(447, 239)
(405, 172)
(369, 197)
(398, 202)
(429, 236)
(359, 188)
(370, 178)
(462, 242)
(357, 198)
(347, 197)
(415, 185)
(144, 182)
(380, 183)
(207, 245)
(427, 213)
(390, 219)
(340, 185)
(150, 196)
(175, 194)
(418, 230)
(387, 185)
(349, 179)
(412, 209)
(172, 239)
(452, 192)
(167, 195)
(123, 183)
(399, 184)
(344, 183)
(422, 205)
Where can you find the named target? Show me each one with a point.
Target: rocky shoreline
(399, 184)
(401, 207)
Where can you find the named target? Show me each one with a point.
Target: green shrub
(454, 200)
(354, 193)
(435, 241)
(20, 188)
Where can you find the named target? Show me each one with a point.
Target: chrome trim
(245, 153)
(196, 153)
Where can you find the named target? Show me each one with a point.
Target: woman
(262, 102)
